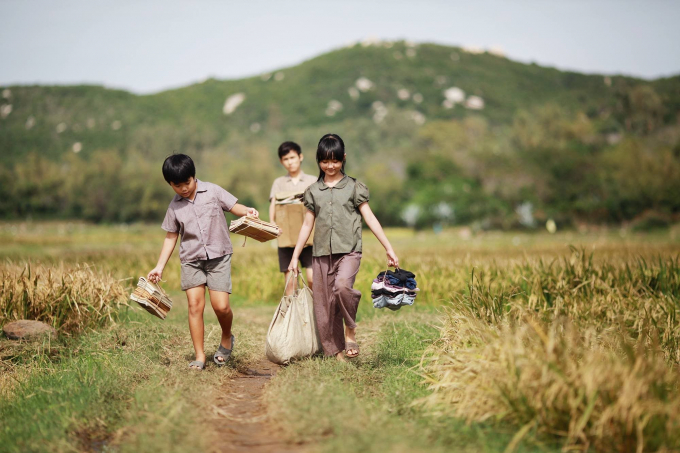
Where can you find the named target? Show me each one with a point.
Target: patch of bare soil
(241, 422)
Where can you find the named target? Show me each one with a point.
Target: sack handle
(286, 285)
(297, 283)
(299, 274)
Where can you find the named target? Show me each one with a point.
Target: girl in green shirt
(336, 204)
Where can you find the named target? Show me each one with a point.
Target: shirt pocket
(211, 209)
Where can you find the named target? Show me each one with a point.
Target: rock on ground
(26, 329)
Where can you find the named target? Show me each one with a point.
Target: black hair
(178, 168)
(331, 147)
(287, 147)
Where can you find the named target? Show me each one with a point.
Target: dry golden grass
(68, 297)
(579, 348)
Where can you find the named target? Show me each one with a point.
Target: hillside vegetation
(440, 135)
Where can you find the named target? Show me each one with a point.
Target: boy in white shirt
(290, 155)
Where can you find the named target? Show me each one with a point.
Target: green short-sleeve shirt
(337, 228)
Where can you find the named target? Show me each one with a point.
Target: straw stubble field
(517, 341)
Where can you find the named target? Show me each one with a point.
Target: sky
(148, 46)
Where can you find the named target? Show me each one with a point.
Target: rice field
(572, 348)
(554, 342)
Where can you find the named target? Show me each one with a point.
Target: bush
(69, 298)
(650, 221)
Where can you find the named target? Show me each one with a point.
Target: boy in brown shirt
(196, 213)
(290, 155)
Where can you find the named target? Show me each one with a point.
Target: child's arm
(241, 210)
(272, 211)
(376, 228)
(168, 246)
(305, 231)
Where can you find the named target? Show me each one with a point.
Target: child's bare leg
(350, 337)
(310, 278)
(220, 303)
(196, 301)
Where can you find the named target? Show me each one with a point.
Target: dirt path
(239, 418)
(242, 424)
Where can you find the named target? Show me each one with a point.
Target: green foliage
(571, 145)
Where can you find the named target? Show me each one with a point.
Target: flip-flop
(224, 353)
(197, 363)
(351, 345)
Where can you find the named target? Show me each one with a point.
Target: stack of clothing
(394, 289)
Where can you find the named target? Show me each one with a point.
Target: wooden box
(290, 217)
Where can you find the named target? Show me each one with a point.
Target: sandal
(224, 353)
(349, 346)
(197, 365)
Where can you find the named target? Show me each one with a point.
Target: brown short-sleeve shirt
(337, 227)
(286, 184)
(201, 223)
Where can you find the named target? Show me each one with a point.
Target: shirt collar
(341, 184)
(300, 176)
(201, 186)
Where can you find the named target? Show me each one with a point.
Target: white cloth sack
(292, 333)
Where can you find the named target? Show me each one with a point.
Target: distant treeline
(441, 137)
(547, 164)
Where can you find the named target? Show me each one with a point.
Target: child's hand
(252, 212)
(155, 275)
(392, 259)
(293, 266)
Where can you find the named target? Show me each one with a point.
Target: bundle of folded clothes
(394, 289)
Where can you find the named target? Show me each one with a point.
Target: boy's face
(185, 189)
(291, 161)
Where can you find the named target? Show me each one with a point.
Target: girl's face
(331, 166)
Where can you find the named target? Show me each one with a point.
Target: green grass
(373, 404)
(126, 386)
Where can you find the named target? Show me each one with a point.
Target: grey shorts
(214, 273)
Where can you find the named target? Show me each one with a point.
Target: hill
(384, 98)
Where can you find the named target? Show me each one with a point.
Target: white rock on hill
(233, 102)
(363, 84)
(5, 110)
(474, 103)
(454, 94)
